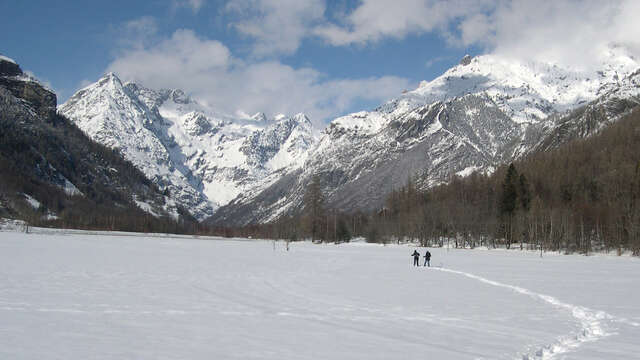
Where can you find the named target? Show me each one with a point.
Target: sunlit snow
(127, 296)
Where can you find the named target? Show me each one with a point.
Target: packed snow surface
(126, 296)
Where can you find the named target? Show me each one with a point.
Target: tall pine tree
(313, 209)
(508, 202)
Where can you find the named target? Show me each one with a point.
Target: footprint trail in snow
(592, 322)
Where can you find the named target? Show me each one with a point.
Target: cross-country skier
(427, 259)
(416, 258)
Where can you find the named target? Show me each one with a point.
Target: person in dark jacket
(427, 259)
(416, 258)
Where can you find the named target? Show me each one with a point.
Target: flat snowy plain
(119, 296)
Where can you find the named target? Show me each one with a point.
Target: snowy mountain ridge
(483, 112)
(486, 111)
(526, 91)
(202, 158)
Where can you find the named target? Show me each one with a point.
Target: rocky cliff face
(204, 159)
(127, 118)
(8, 67)
(42, 100)
(50, 171)
(481, 113)
(589, 119)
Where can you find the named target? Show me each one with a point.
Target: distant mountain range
(204, 159)
(481, 113)
(486, 111)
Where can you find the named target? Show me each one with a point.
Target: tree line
(581, 197)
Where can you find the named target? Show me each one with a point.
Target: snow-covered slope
(591, 118)
(524, 91)
(204, 159)
(483, 112)
(77, 295)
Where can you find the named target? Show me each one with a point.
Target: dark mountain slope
(52, 174)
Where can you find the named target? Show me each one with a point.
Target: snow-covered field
(82, 296)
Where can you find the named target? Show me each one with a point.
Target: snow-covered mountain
(483, 112)
(51, 173)
(202, 158)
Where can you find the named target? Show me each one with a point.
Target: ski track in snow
(592, 321)
(331, 321)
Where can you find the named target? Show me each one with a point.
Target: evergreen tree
(509, 197)
(342, 232)
(313, 209)
(508, 202)
(524, 193)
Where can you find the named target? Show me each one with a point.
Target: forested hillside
(582, 196)
(579, 197)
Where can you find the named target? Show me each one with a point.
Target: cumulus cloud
(183, 52)
(375, 20)
(207, 69)
(277, 26)
(565, 31)
(573, 33)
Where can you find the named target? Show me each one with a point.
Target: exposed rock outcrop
(42, 100)
(9, 68)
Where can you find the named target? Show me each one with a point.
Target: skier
(416, 258)
(427, 259)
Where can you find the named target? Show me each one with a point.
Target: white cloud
(183, 52)
(375, 20)
(194, 5)
(207, 69)
(571, 32)
(565, 31)
(277, 26)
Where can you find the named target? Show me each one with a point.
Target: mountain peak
(110, 75)
(8, 67)
(26, 87)
(185, 146)
(179, 97)
(466, 60)
(301, 118)
(109, 78)
(259, 117)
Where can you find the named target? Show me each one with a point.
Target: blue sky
(321, 57)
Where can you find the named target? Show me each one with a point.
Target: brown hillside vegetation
(580, 197)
